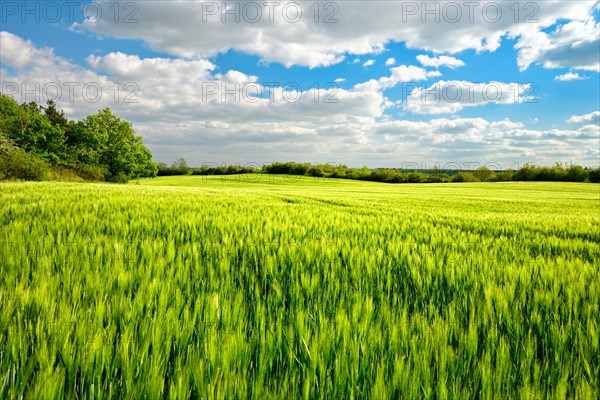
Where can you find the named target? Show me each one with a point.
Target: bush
(119, 177)
(18, 164)
(576, 173)
(484, 174)
(437, 178)
(504, 176)
(64, 174)
(528, 172)
(416, 177)
(464, 177)
(90, 172)
(594, 175)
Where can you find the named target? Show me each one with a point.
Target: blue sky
(381, 83)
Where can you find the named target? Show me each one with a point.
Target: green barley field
(289, 287)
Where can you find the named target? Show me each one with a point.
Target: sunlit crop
(290, 287)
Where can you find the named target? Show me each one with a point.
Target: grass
(291, 287)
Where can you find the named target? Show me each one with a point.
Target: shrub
(90, 172)
(594, 175)
(437, 178)
(64, 174)
(416, 177)
(15, 163)
(576, 173)
(464, 177)
(528, 172)
(119, 177)
(170, 171)
(505, 176)
(484, 174)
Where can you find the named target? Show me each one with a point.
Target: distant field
(265, 286)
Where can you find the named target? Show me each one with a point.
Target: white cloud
(176, 120)
(186, 90)
(130, 67)
(453, 96)
(377, 143)
(591, 118)
(440, 61)
(368, 63)
(20, 53)
(570, 76)
(390, 61)
(340, 80)
(575, 45)
(360, 28)
(402, 73)
(233, 76)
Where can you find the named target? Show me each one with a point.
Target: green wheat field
(288, 287)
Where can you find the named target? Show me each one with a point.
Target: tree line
(529, 172)
(39, 143)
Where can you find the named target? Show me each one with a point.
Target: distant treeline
(39, 143)
(529, 172)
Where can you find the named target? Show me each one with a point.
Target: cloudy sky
(377, 83)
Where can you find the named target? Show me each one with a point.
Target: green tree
(484, 174)
(31, 130)
(15, 163)
(179, 163)
(106, 139)
(56, 118)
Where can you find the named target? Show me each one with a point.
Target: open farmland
(287, 287)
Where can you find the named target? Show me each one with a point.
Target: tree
(594, 175)
(31, 130)
(179, 163)
(464, 177)
(5, 144)
(105, 139)
(484, 174)
(101, 145)
(56, 118)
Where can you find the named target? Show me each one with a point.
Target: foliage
(91, 172)
(15, 163)
(115, 146)
(31, 130)
(465, 177)
(594, 175)
(102, 141)
(484, 174)
(529, 172)
(179, 163)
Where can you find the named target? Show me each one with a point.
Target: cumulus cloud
(294, 33)
(440, 61)
(570, 76)
(184, 90)
(390, 61)
(383, 143)
(171, 71)
(402, 73)
(591, 118)
(185, 113)
(453, 96)
(573, 45)
(20, 53)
